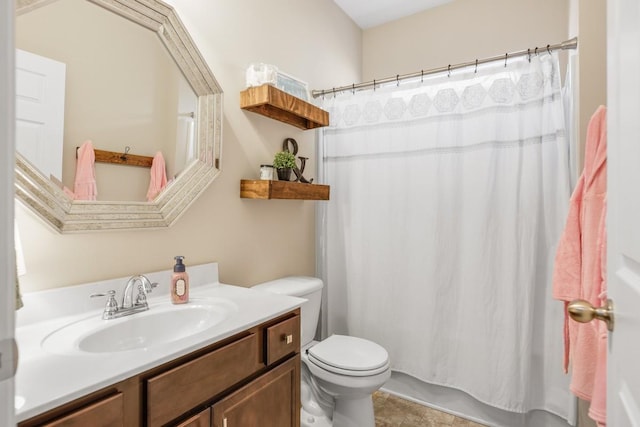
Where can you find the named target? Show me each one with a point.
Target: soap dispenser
(179, 282)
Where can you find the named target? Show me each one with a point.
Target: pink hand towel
(85, 187)
(575, 274)
(158, 177)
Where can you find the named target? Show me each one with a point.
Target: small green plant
(284, 160)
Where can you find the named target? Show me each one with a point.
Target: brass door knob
(582, 311)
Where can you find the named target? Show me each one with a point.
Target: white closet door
(7, 146)
(40, 85)
(623, 219)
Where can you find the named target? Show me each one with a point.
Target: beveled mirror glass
(204, 102)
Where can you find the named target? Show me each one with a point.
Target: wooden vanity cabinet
(250, 379)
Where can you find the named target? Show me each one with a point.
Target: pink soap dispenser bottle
(179, 282)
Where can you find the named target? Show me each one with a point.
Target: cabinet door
(202, 419)
(272, 400)
(107, 412)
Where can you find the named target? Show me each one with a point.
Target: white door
(40, 85)
(623, 218)
(7, 272)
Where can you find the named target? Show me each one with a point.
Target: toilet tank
(309, 288)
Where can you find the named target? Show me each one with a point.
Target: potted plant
(284, 162)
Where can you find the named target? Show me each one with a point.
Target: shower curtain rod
(567, 44)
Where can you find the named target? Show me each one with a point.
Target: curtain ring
(353, 88)
(322, 94)
(334, 92)
(549, 49)
(374, 85)
(397, 80)
(476, 70)
(506, 55)
(529, 54)
(449, 71)
(421, 76)
(536, 51)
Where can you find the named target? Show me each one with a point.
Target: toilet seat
(350, 356)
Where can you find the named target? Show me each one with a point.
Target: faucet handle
(111, 307)
(109, 294)
(141, 298)
(147, 286)
(144, 287)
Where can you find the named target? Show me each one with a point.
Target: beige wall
(592, 32)
(462, 31)
(252, 240)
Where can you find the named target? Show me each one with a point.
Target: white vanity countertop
(45, 380)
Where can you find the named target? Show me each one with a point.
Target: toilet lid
(349, 356)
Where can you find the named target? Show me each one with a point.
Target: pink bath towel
(598, 407)
(85, 187)
(577, 272)
(158, 176)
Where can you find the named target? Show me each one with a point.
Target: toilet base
(309, 420)
(354, 412)
(347, 413)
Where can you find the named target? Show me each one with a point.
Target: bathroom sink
(163, 323)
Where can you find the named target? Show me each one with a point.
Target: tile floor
(392, 411)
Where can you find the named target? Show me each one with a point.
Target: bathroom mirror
(202, 111)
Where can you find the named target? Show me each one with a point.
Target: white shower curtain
(447, 199)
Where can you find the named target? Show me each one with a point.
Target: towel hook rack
(120, 158)
(126, 151)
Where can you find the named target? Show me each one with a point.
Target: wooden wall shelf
(263, 189)
(276, 104)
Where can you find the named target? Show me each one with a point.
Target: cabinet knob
(287, 338)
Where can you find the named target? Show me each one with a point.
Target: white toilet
(340, 373)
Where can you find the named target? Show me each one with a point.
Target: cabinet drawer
(108, 412)
(180, 389)
(283, 339)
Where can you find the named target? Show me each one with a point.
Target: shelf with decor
(266, 189)
(274, 103)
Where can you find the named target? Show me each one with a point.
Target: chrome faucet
(128, 306)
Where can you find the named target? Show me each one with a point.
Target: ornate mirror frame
(49, 201)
